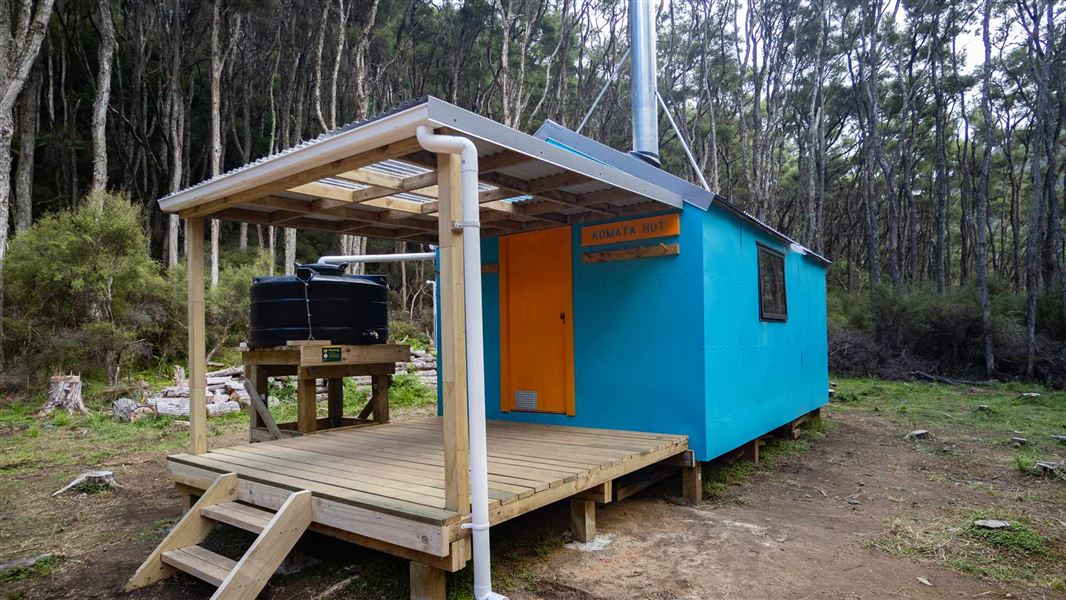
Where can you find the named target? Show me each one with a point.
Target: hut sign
(631, 230)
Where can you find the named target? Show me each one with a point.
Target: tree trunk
(102, 99)
(290, 251)
(29, 111)
(176, 126)
(17, 55)
(982, 195)
(941, 185)
(216, 124)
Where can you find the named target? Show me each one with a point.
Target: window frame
(763, 314)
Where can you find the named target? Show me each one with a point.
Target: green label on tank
(331, 353)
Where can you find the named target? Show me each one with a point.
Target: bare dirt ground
(820, 524)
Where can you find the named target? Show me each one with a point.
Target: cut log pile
(224, 394)
(424, 365)
(225, 391)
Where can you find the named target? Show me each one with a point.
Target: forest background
(916, 143)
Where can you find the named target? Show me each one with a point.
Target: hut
(598, 317)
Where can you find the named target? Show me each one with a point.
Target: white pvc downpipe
(375, 258)
(475, 359)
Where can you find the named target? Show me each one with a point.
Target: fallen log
(179, 407)
(227, 372)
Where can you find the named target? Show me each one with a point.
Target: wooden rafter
(555, 196)
(378, 154)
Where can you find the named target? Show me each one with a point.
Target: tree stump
(64, 391)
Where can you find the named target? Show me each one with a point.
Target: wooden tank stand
(313, 360)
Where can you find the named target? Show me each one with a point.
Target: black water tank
(345, 309)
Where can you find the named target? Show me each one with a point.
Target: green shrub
(408, 390)
(921, 330)
(405, 332)
(82, 292)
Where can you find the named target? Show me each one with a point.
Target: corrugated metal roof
(304, 144)
(562, 137)
(552, 185)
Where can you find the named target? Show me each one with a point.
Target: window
(772, 303)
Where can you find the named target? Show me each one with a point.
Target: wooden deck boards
(397, 469)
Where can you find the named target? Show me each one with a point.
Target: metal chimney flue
(643, 93)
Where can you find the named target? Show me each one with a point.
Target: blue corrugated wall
(675, 345)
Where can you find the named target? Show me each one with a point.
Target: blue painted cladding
(760, 374)
(675, 344)
(637, 342)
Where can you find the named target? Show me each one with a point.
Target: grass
(41, 568)
(1019, 554)
(29, 443)
(952, 414)
(973, 425)
(720, 476)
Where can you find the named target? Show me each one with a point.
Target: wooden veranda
(402, 488)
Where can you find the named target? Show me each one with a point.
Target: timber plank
(401, 508)
(330, 477)
(427, 464)
(385, 471)
(396, 530)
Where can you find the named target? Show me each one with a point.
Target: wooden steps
(200, 563)
(248, 518)
(242, 579)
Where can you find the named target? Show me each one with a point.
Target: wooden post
(692, 483)
(452, 351)
(335, 389)
(427, 583)
(583, 519)
(194, 233)
(379, 397)
(750, 451)
(306, 404)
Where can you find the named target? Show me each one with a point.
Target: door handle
(562, 316)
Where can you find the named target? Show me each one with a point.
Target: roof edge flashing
(330, 146)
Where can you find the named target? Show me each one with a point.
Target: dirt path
(790, 533)
(786, 533)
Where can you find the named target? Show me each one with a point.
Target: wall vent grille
(525, 400)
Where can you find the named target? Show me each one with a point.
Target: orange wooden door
(536, 322)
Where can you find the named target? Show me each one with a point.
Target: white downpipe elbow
(475, 357)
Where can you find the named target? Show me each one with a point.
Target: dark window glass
(772, 304)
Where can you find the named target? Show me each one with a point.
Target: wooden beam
(692, 484)
(306, 405)
(553, 196)
(325, 191)
(362, 159)
(379, 397)
(194, 233)
(400, 204)
(427, 583)
(335, 401)
(583, 519)
(631, 253)
(425, 185)
(452, 354)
